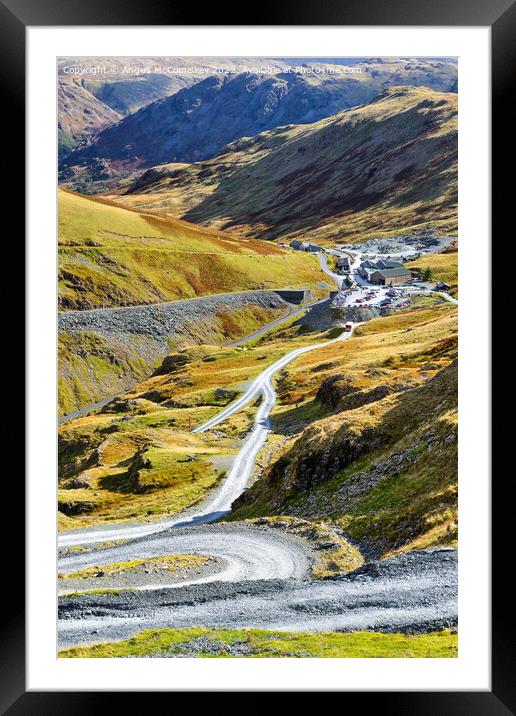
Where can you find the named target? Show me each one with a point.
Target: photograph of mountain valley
(257, 343)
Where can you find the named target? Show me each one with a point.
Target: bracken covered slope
(382, 168)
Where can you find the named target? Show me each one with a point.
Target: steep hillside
(80, 115)
(95, 93)
(196, 122)
(111, 256)
(105, 351)
(138, 456)
(363, 437)
(371, 436)
(383, 168)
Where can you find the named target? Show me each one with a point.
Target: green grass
(98, 593)
(92, 367)
(175, 468)
(112, 256)
(274, 644)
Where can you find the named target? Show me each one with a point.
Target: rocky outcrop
(339, 393)
(332, 444)
(313, 459)
(75, 507)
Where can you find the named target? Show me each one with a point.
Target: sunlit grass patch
(256, 643)
(443, 267)
(170, 563)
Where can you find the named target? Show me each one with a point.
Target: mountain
(80, 115)
(110, 256)
(94, 93)
(196, 122)
(386, 167)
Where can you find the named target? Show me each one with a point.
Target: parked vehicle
(348, 327)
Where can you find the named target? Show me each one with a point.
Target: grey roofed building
(381, 264)
(388, 272)
(303, 246)
(390, 276)
(388, 264)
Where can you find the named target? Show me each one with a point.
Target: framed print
(258, 271)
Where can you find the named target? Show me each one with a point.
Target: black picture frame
(500, 16)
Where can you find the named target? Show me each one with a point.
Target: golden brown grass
(444, 267)
(113, 256)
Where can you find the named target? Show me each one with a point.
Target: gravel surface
(257, 577)
(160, 322)
(243, 552)
(410, 593)
(220, 500)
(153, 575)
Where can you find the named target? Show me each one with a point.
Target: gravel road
(410, 593)
(219, 502)
(274, 324)
(245, 552)
(258, 577)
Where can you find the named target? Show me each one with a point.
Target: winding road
(219, 503)
(413, 593)
(260, 580)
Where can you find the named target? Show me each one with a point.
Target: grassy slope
(92, 367)
(383, 168)
(139, 458)
(444, 267)
(110, 256)
(108, 452)
(376, 453)
(274, 644)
